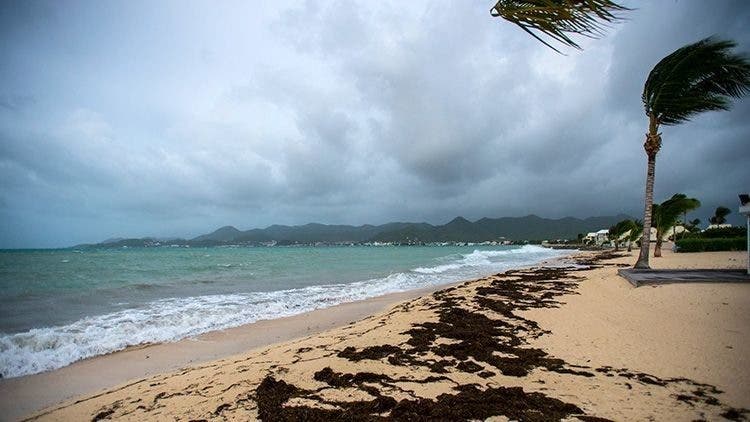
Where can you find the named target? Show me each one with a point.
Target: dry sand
(543, 343)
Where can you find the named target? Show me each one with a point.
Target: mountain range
(459, 229)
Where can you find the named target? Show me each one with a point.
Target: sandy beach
(22, 396)
(546, 343)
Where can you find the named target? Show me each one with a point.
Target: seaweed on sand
(482, 335)
(475, 336)
(469, 403)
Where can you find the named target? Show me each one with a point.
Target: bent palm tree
(617, 231)
(559, 18)
(697, 77)
(636, 229)
(666, 215)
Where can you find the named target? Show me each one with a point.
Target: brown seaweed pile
(470, 402)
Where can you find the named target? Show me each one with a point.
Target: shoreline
(25, 395)
(579, 343)
(44, 332)
(84, 376)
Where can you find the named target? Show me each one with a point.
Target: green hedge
(725, 232)
(712, 245)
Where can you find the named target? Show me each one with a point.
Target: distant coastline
(459, 231)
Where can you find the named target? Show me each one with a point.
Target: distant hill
(459, 229)
(112, 240)
(309, 233)
(530, 227)
(224, 234)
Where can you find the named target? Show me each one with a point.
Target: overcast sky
(137, 118)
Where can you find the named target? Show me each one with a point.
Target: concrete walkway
(655, 277)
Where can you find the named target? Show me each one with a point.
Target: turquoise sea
(60, 306)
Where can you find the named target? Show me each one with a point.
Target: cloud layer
(169, 119)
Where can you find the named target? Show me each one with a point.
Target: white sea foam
(492, 260)
(44, 349)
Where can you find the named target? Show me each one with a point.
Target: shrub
(694, 244)
(726, 232)
(689, 235)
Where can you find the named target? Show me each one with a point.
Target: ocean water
(61, 306)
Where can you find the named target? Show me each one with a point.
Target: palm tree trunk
(657, 247)
(646, 236)
(652, 145)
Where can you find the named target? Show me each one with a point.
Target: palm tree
(617, 231)
(720, 216)
(559, 18)
(636, 228)
(697, 77)
(666, 215)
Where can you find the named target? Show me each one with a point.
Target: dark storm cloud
(172, 119)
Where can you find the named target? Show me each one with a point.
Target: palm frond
(636, 229)
(698, 77)
(558, 19)
(666, 214)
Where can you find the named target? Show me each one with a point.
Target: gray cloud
(170, 119)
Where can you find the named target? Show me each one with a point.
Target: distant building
(602, 236)
(672, 233)
(669, 234)
(597, 238)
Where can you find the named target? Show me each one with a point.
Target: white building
(597, 238)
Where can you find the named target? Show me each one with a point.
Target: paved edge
(712, 276)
